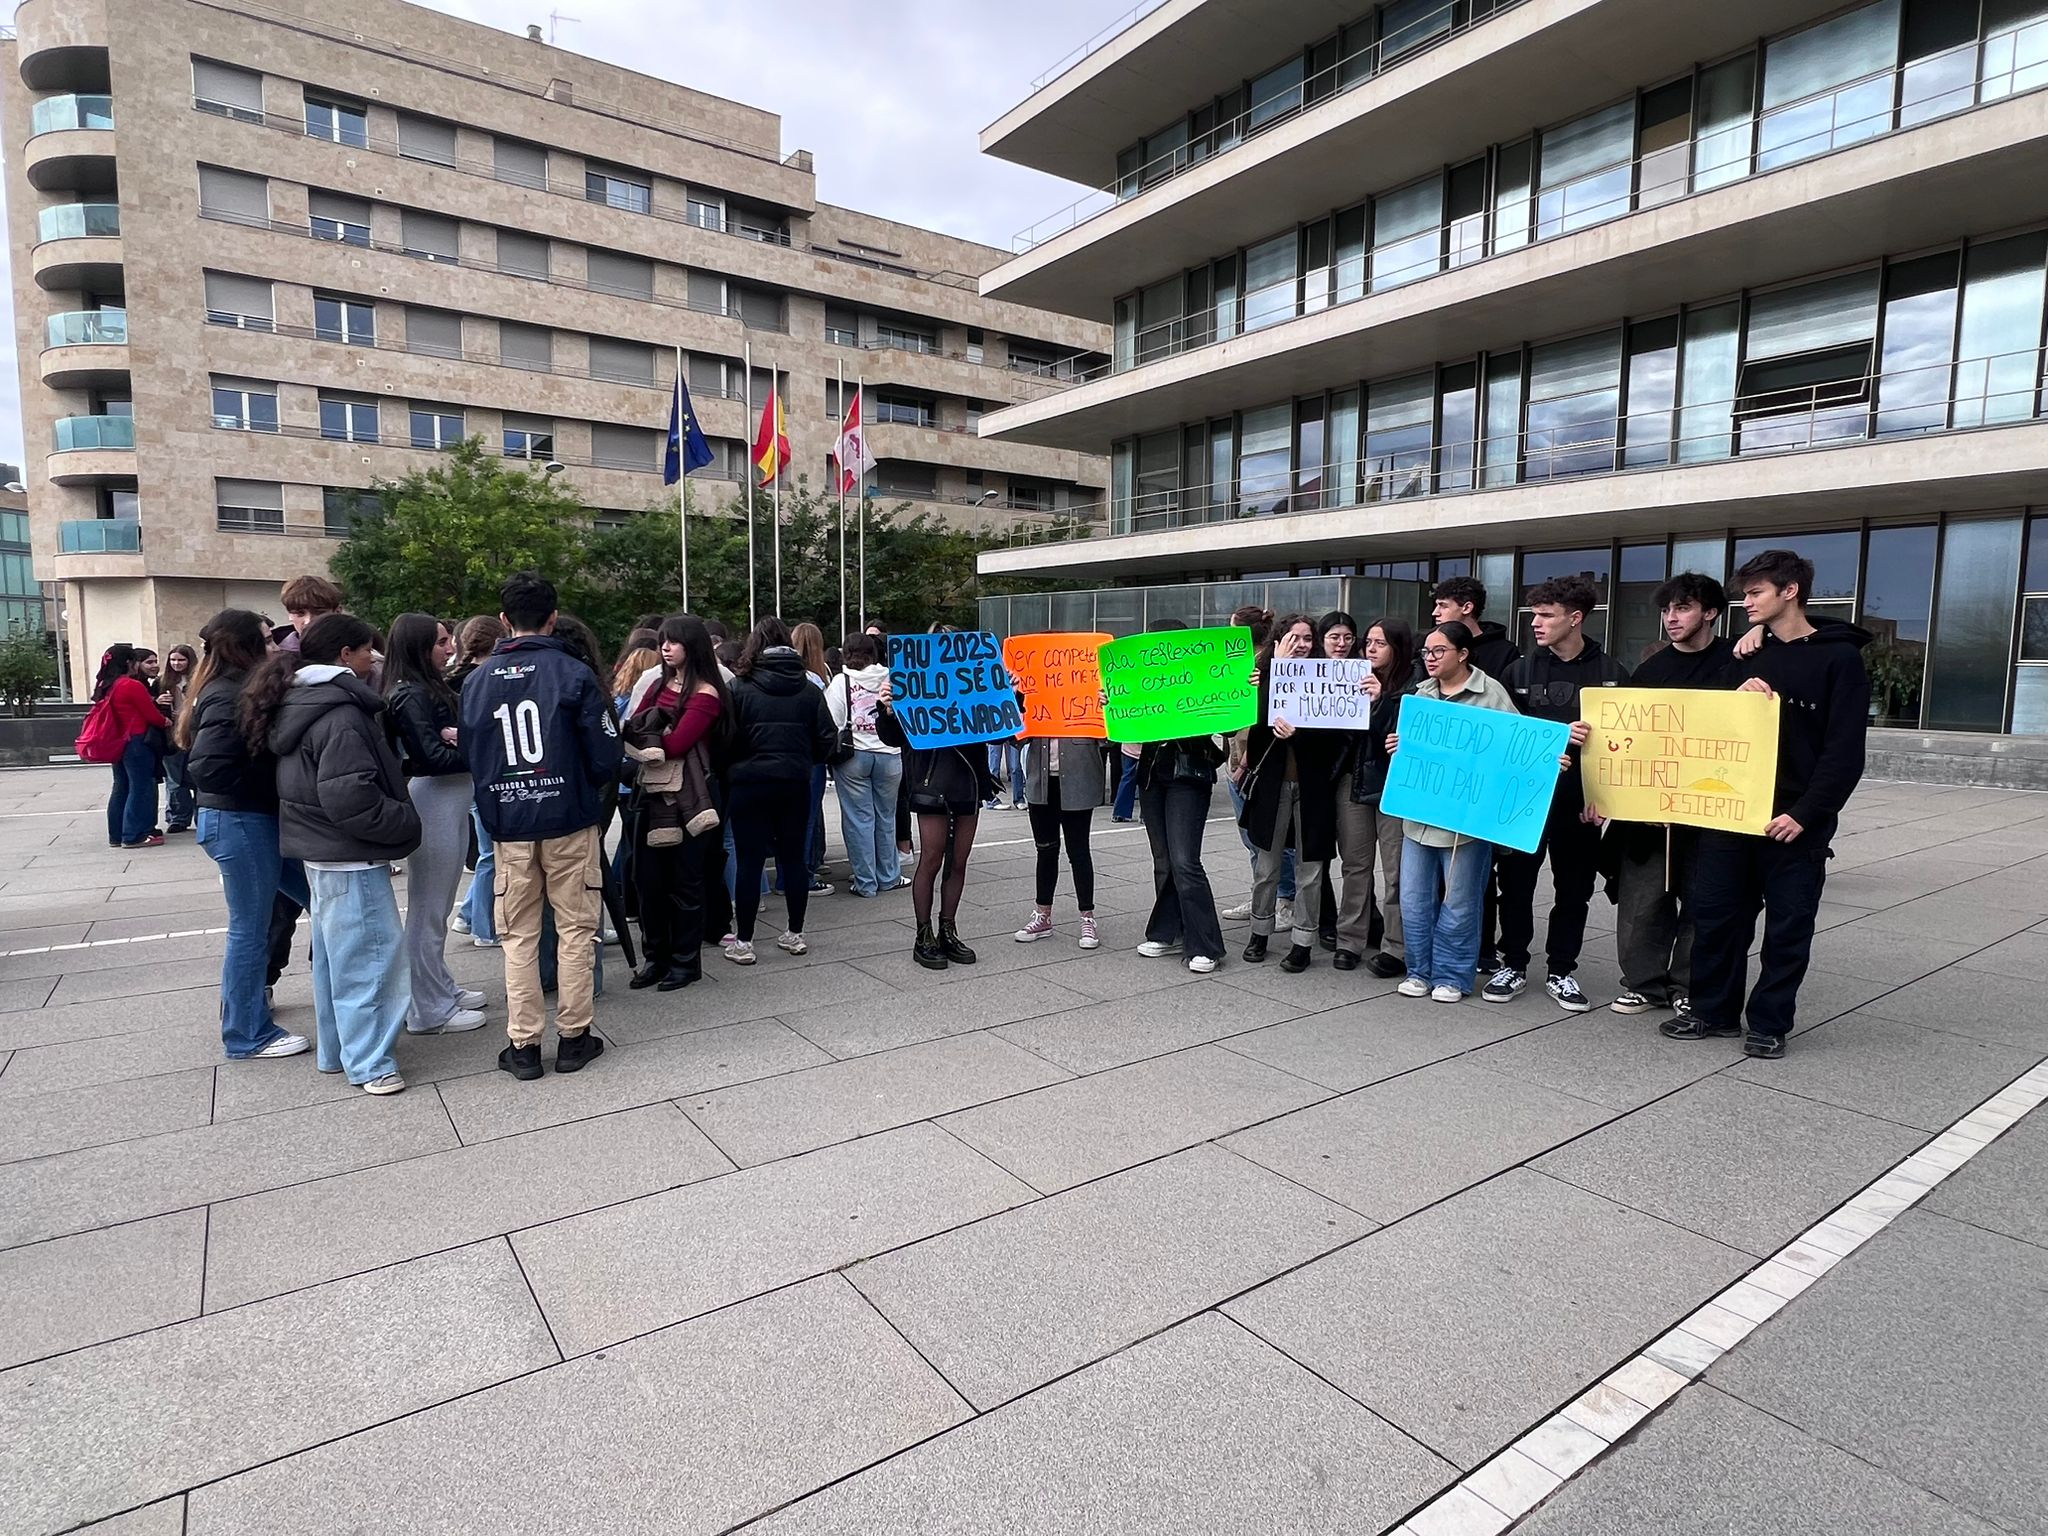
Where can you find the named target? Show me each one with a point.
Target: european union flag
(687, 449)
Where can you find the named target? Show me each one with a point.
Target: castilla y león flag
(771, 443)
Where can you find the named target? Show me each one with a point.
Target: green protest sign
(1181, 682)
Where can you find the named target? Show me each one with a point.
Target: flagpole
(747, 479)
(775, 447)
(842, 497)
(683, 483)
(860, 502)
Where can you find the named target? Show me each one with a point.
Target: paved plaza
(1063, 1242)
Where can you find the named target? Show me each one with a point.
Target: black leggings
(942, 838)
(770, 818)
(1048, 825)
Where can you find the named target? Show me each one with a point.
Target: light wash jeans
(243, 845)
(998, 753)
(867, 784)
(362, 987)
(480, 907)
(1442, 890)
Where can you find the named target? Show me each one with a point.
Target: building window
(704, 209)
(905, 338)
(1574, 406)
(903, 410)
(529, 437)
(434, 332)
(346, 219)
(430, 236)
(344, 420)
(421, 138)
(248, 506)
(615, 190)
(347, 320)
(842, 327)
(242, 302)
(342, 505)
(435, 426)
(240, 406)
(1807, 363)
(1398, 437)
(226, 91)
(339, 122)
(1829, 86)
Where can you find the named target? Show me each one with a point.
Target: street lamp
(553, 467)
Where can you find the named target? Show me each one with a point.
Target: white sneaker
(1447, 995)
(1241, 913)
(1413, 986)
(390, 1082)
(289, 1045)
(1152, 949)
(793, 943)
(740, 952)
(1283, 917)
(483, 943)
(607, 934)
(1201, 965)
(457, 923)
(467, 999)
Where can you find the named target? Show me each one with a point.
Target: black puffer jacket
(1369, 764)
(341, 794)
(414, 719)
(1318, 761)
(956, 775)
(781, 726)
(220, 766)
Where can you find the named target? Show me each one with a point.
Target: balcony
(71, 144)
(62, 44)
(78, 245)
(85, 349)
(100, 536)
(89, 449)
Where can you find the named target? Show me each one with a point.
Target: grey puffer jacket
(341, 794)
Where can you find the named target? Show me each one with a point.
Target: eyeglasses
(1436, 652)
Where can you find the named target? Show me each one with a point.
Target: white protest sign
(1318, 695)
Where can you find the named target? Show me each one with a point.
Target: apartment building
(1519, 288)
(266, 255)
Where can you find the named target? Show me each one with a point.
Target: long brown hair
(769, 634)
(1398, 675)
(236, 642)
(809, 641)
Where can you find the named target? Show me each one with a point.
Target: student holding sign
(1289, 784)
(1176, 783)
(1818, 673)
(1362, 832)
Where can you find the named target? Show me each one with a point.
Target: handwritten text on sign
(1182, 682)
(1681, 756)
(1060, 677)
(1483, 773)
(1318, 695)
(951, 690)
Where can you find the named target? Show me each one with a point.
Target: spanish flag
(771, 443)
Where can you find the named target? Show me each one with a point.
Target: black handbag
(843, 747)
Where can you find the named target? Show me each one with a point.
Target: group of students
(142, 694)
(1447, 914)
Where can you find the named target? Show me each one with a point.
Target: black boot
(926, 951)
(1296, 959)
(1387, 967)
(678, 979)
(949, 941)
(522, 1061)
(1255, 949)
(572, 1051)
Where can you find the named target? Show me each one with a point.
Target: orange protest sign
(1060, 677)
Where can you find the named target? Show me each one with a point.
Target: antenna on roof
(555, 20)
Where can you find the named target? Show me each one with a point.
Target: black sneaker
(1387, 967)
(646, 977)
(1690, 1026)
(1295, 961)
(1766, 1047)
(522, 1061)
(1506, 985)
(1345, 961)
(1565, 992)
(1255, 949)
(572, 1052)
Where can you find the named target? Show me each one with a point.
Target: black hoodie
(782, 726)
(341, 794)
(1822, 721)
(1495, 652)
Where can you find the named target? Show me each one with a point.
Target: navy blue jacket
(537, 729)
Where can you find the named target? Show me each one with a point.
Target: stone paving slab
(692, 1429)
(65, 1120)
(2002, 1188)
(1397, 1146)
(1009, 1303)
(66, 1066)
(1365, 1042)
(76, 1191)
(139, 1275)
(1617, 1060)
(1202, 1429)
(1748, 1166)
(267, 1244)
(1113, 1033)
(1984, 1005)
(734, 994)
(1878, 1066)
(862, 1026)
(816, 1106)
(164, 1518)
(1081, 1129)
(613, 1273)
(167, 1410)
(25, 1026)
(1469, 1322)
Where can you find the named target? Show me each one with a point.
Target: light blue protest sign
(1482, 773)
(951, 689)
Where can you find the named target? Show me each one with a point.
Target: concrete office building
(267, 253)
(1526, 287)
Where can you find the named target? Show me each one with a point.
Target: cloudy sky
(891, 106)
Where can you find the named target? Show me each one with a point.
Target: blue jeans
(179, 801)
(243, 844)
(1442, 930)
(131, 808)
(480, 907)
(362, 985)
(1287, 891)
(1126, 792)
(998, 753)
(867, 819)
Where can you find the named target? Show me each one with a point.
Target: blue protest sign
(1482, 773)
(951, 690)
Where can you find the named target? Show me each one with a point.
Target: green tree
(28, 665)
(441, 540)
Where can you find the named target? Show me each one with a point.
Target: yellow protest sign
(1681, 756)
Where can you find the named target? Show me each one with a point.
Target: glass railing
(100, 536)
(75, 433)
(75, 221)
(54, 114)
(89, 327)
